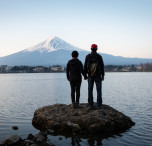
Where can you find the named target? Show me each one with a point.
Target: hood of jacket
(74, 61)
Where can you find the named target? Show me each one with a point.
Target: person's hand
(102, 78)
(85, 78)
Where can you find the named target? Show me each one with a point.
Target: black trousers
(75, 88)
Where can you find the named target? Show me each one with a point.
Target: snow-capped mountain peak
(53, 43)
(55, 51)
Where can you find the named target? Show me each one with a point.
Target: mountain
(54, 50)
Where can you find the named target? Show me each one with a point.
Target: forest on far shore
(147, 67)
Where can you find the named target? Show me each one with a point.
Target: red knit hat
(94, 46)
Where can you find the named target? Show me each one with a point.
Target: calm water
(130, 93)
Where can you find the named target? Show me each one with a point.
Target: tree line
(147, 67)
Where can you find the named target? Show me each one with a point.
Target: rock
(74, 127)
(30, 137)
(60, 138)
(11, 140)
(28, 142)
(34, 144)
(39, 137)
(43, 133)
(49, 131)
(14, 127)
(62, 119)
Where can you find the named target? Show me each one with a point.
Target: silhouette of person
(94, 67)
(74, 70)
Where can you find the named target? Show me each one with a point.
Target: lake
(130, 93)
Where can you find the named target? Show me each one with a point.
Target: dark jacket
(100, 60)
(74, 70)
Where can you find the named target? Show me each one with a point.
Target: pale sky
(118, 27)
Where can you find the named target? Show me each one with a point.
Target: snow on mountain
(54, 50)
(51, 51)
(53, 43)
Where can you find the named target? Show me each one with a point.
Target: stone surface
(14, 139)
(39, 139)
(14, 127)
(28, 142)
(62, 119)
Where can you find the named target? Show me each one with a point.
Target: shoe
(98, 107)
(91, 108)
(76, 105)
(73, 104)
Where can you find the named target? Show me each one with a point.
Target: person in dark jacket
(94, 75)
(74, 70)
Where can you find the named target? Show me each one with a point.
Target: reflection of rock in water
(64, 119)
(74, 123)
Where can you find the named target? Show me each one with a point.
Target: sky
(118, 27)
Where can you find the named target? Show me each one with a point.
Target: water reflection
(130, 93)
(82, 140)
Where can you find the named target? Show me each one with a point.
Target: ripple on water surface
(130, 93)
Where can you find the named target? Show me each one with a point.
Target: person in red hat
(94, 68)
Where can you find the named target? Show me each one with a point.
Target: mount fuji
(55, 51)
(51, 51)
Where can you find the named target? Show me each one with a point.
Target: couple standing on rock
(93, 71)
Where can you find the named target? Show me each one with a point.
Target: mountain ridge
(53, 43)
(54, 50)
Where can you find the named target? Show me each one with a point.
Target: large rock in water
(64, 119)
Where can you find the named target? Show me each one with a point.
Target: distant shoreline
(147, 67)
(65, 72)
